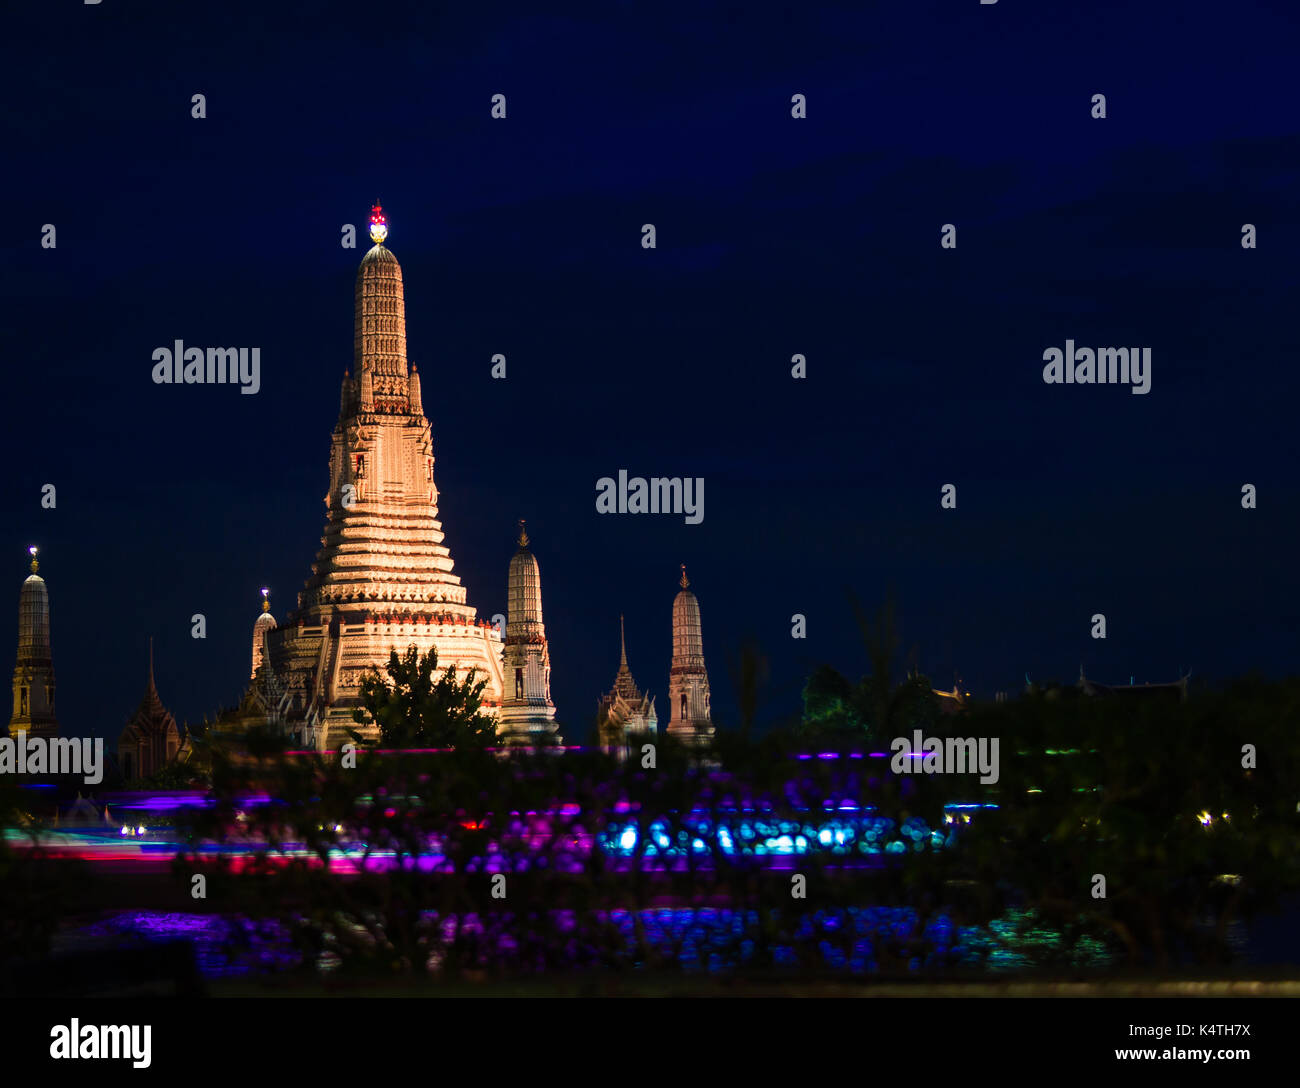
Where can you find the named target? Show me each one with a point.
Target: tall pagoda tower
(383, 578)
(33, 708)
(527, 712)
(688, 680)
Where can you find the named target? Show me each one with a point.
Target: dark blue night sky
(775, 236)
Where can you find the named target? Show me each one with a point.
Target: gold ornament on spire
(32, 552)
(378, 225)
(266, 604)
(685, 581)
(523, 536)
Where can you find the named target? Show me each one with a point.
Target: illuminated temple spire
(33, 706)
(264, 622)
(379, 321)
(688, 680)
(383, 578)
(527, 712)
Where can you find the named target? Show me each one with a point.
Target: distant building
(81, 813)
(625, 716)
(1175, 690)
(151, 739)
(33, 706)
(951, 702)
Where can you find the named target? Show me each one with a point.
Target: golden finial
(32, 552)
(266, 603)
(378, 224)
(685, 581)
(523, 536)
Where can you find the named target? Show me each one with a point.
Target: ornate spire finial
(523, 536)
(32, 552)
(266, 603)
(378, 225)
(622, 642)
(151, 683)
(685, 581)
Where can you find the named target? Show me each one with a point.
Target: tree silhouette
(413, 710)
(1158, 797)
(875, 708)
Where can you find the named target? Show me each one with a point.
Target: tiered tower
(688, 680)
(33, 709)
(625, 715)
(383, 578)
(264, 622)
(527, 713)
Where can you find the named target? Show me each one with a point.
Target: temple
(383, 579)
(688, 679)
(33, 706)
(1171, 690)
(151, 739)
(527, 712)
(624, 715)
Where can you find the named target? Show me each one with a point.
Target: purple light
(174, 800)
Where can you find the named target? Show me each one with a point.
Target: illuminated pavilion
(383, 578)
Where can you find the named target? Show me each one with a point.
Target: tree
(413, 710)
(829, 705)
(876, 707)
(1188, 810)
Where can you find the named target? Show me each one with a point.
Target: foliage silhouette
(413, 710)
